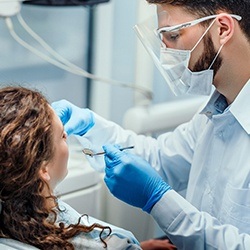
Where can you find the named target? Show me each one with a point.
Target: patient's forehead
(56, 122)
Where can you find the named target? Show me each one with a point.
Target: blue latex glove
(132, 180)
(75, 120)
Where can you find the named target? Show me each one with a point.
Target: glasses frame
(191, 23)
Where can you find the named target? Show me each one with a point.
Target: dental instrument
(89, 152)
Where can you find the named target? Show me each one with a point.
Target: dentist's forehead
(169, 15)
(164, 19)
(166, 13)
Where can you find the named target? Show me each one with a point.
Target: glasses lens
(169, 36)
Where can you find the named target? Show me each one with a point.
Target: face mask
(176, 72)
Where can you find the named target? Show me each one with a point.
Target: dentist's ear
(225, 27)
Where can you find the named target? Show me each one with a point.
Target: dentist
(201, 43)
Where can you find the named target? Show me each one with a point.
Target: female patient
(33, 160)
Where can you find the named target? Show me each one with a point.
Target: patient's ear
(44, 173)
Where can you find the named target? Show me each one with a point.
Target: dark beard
(208, 56)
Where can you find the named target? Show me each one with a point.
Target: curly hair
(209, 7)
(25, 145)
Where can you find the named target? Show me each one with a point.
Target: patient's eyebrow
(63, 131)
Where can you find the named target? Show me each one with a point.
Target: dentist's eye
(170, 36)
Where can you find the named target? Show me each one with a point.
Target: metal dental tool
(89, 152)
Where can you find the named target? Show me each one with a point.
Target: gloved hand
(132, 180)
(75, 120)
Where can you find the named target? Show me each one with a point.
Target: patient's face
(57, 168)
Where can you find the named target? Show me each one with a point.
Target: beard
(208, 56)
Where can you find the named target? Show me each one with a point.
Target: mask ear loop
(216, 56)
(203, 35)
(202, 38)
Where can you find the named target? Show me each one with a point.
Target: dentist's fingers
(112, 155)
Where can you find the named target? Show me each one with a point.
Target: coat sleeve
(189, 228)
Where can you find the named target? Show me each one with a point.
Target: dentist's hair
(202, 8)
(25, 145)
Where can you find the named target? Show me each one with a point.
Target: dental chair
(10, 244)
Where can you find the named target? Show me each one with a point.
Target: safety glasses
(176, 28)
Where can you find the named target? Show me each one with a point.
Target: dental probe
(89, 152)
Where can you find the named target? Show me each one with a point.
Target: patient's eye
(64, 136)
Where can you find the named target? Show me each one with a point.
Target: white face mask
(176, 72)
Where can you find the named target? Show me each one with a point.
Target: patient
(33, 160)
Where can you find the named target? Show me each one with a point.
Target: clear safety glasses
(171, 32)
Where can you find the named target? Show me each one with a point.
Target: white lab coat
(209, 157)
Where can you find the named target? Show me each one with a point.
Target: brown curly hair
(25, 145)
